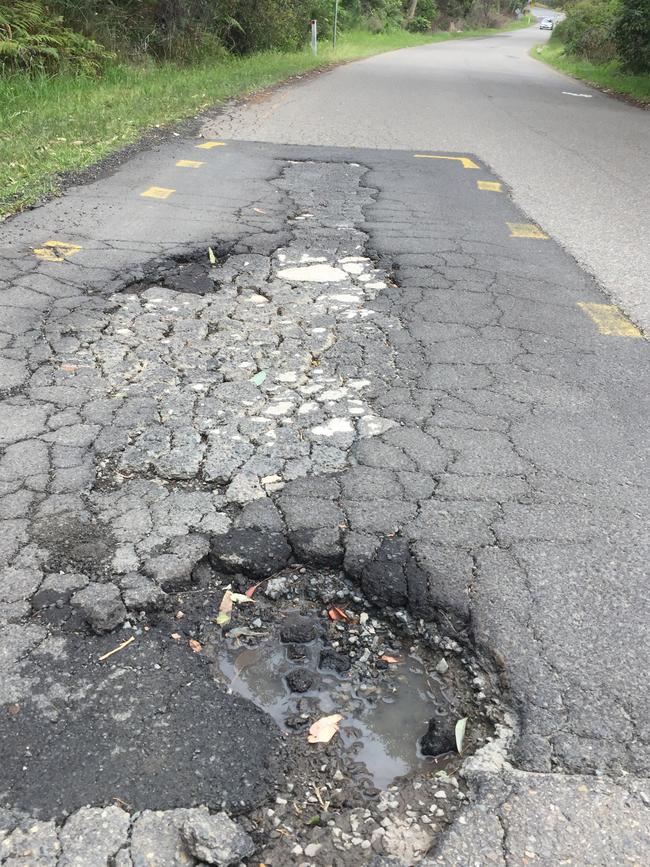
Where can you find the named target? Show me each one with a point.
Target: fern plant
(35, 41)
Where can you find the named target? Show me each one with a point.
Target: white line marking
(584, 95)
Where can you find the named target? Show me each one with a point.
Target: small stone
(244, 488)
(101, 606)
(443, 666)
(300, 680)
(92, 836)
(312, 849)
(277, 587)
(301, 630)
(216, 839)
(141, 593)
(436, 742)
(335, 661)
(172, 573)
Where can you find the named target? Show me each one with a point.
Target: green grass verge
(63, 123)
(607, 76)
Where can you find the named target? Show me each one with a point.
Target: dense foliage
(632, 34)
(52, 35)
(607, 30)
(588, 29)
(34, 40)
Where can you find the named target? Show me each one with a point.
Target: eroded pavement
(367, 374)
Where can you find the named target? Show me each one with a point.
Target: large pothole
(202, 705)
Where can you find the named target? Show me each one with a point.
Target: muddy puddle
(299, 659)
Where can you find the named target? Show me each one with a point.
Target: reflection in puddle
(384, 717)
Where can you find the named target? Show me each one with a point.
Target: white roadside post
(336, 21)
(314, 37)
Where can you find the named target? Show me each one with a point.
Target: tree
(632, 34)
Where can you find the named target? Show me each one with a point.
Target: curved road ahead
(578, 166)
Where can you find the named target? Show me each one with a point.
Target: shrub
(588, 29)
(632, 35)
(32, 40)
(419, 24)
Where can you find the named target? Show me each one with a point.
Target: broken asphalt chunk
(254, 552)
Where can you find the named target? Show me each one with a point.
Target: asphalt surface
(578, 166)
(388, 369)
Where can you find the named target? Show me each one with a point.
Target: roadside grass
(607, 76)
(51, 125)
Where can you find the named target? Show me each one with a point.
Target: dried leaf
(252, 589)
(259, 378)
(241, 597)
(225, 609)
(259, 211)
(211, 256)
(324, 729)
(195, 645)
(337, 614)
(175, 636)
(392, 660)
(461, 725)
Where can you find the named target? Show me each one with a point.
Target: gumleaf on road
(225, 609)
(324, 729)
(241, 597)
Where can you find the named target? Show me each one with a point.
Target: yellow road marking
(56, 251)
(495, 186)
(467, 163)
(189, 164)
(609, 319)
(211, 144)
(157, 193)
(526, 230)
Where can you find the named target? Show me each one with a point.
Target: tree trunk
(413, 8)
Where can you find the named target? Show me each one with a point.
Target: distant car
(546, 24)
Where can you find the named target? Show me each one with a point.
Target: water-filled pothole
(310, 647)
(384, 717)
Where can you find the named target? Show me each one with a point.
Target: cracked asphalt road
(577, 166)
(378, 373)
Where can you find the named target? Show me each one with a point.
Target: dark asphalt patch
(148, 728)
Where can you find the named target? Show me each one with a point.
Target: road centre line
(526, 230)
(207, 145)
(609, 319)
(56, 251)
(189, 164)
(466, 161)
(157, 193)
(495, 186)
